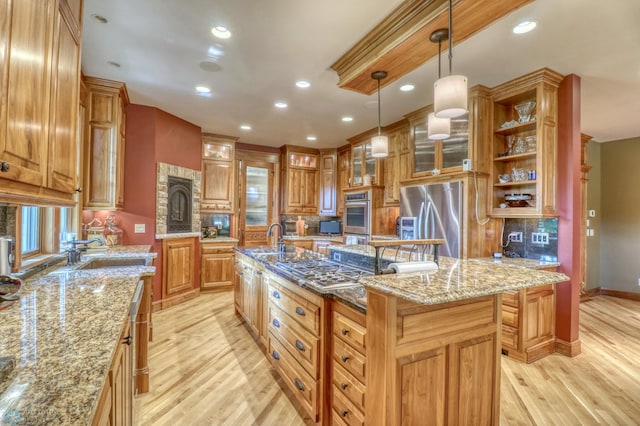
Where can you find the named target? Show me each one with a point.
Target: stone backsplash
(527, 248)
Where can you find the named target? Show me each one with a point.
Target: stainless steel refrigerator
(437, 208)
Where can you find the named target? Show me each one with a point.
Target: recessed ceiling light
(347, 119)
(113, 64)
(280, 105)
(245, 127)
(203, 91)
(303, 84)
(210, 66)
(312, 138)
(100, 19)
(221, 32)
(524, 27)
(407, 87)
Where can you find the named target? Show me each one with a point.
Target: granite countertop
(458, 279)
(518, 261)
(337, 238)
(62, 334)
(219, 240)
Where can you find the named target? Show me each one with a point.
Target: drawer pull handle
(275, 355)
(299, 384)
(299, 345)
(343, 386)
(276, 295)
(345, 331)
(276, 323)
(344, 358)
(344, 413)
(300, 311)
(4, 166)
(259, 273)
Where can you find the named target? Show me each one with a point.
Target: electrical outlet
(515, 237)
(337, 256)
(139, 228)
(540, 238)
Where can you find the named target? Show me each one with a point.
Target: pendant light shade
(379, 143)
(379, 146)
(438, 128)
(450, 99)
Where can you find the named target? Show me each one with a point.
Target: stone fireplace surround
(164, 171)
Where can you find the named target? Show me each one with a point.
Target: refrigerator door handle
(420, 230)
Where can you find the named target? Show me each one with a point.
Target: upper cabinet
(398, 134)
(362, 163)
(218, 155)
(524, 142)
(342, 182)
(328, 178)
(104, 141)
(40, 65)
(299, 180)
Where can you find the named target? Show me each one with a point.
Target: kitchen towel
(408, 267)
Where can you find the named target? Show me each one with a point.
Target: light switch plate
(592, 213)
(139, 228)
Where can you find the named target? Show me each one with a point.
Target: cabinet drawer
(510, 316)
(217, 250)
(349, 331)
(345, 410)
(303, 311)
(347, 357)
(510, 298)
(299, 341)
(509, 337)
(348, 385)
(302, 385)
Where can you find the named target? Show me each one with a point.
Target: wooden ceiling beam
(400, 43)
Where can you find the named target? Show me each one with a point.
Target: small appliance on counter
(7, 246)
(330, 227)
(409, 228)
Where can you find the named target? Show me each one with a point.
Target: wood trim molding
(569, 349)
(620, 294)
(400, 42)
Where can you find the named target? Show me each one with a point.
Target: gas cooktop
(324, 273)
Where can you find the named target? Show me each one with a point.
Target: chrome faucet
(269, 232)
(74, 253)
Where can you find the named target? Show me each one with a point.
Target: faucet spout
(270, 231)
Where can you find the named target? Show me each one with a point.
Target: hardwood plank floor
(207, 370)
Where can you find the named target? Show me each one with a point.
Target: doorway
(257, 201)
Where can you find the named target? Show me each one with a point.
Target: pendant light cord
(450, 36)
(378, 107)
(439, 59)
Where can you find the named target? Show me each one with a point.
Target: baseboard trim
(620, 294)
(569, 349)
(590, 294)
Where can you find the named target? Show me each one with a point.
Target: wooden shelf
(518, 128)
(508, 184)
(516, 156)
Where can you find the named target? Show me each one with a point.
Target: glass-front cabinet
(363, 164)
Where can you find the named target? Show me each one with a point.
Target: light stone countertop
(458, 279)
(519, 261)
(62, 334)
(312, 238)
(218, 240)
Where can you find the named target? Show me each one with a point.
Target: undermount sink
(114, 262)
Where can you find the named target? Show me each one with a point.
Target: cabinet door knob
(259, 273)
(344, 358)
(299, 384)
(79, 189)
(343, 386)
(4, 167)
(299, 345)
(344, 413)
(276, 323)
(275, 355)
(276, 295)
(300, 311)
(128, 340)
(345, 331)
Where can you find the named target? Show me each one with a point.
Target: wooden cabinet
(177, 270)
(104, 144)
(344, 168)
(39, 107)
(362, 163)
(296, 346)
(217, 265)
(115, 406)
(348, 364)
(218, 173)
(249, 294)
(528, 323)
(322, 246)
(305, 244)
(524, 150)
(398, 134)
(328, 182)
(299, 180)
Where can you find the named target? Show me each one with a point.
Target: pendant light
(450, 93)
(379, 144)
(438, 128)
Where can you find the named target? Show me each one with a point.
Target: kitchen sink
(114, 263)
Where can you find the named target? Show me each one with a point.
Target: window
(31, 231)
(67, 228)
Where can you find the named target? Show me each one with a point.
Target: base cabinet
(528, 323)
(217, 265)
(177, 270)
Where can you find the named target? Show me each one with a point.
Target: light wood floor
(207, 370)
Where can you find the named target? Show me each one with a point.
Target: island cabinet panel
(177, 270)
(432, 364)
(217, 265)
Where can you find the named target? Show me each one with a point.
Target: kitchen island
(63, 334)
(432, 346)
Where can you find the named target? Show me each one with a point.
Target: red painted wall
(568, 293)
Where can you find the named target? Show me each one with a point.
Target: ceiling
(160, 46)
